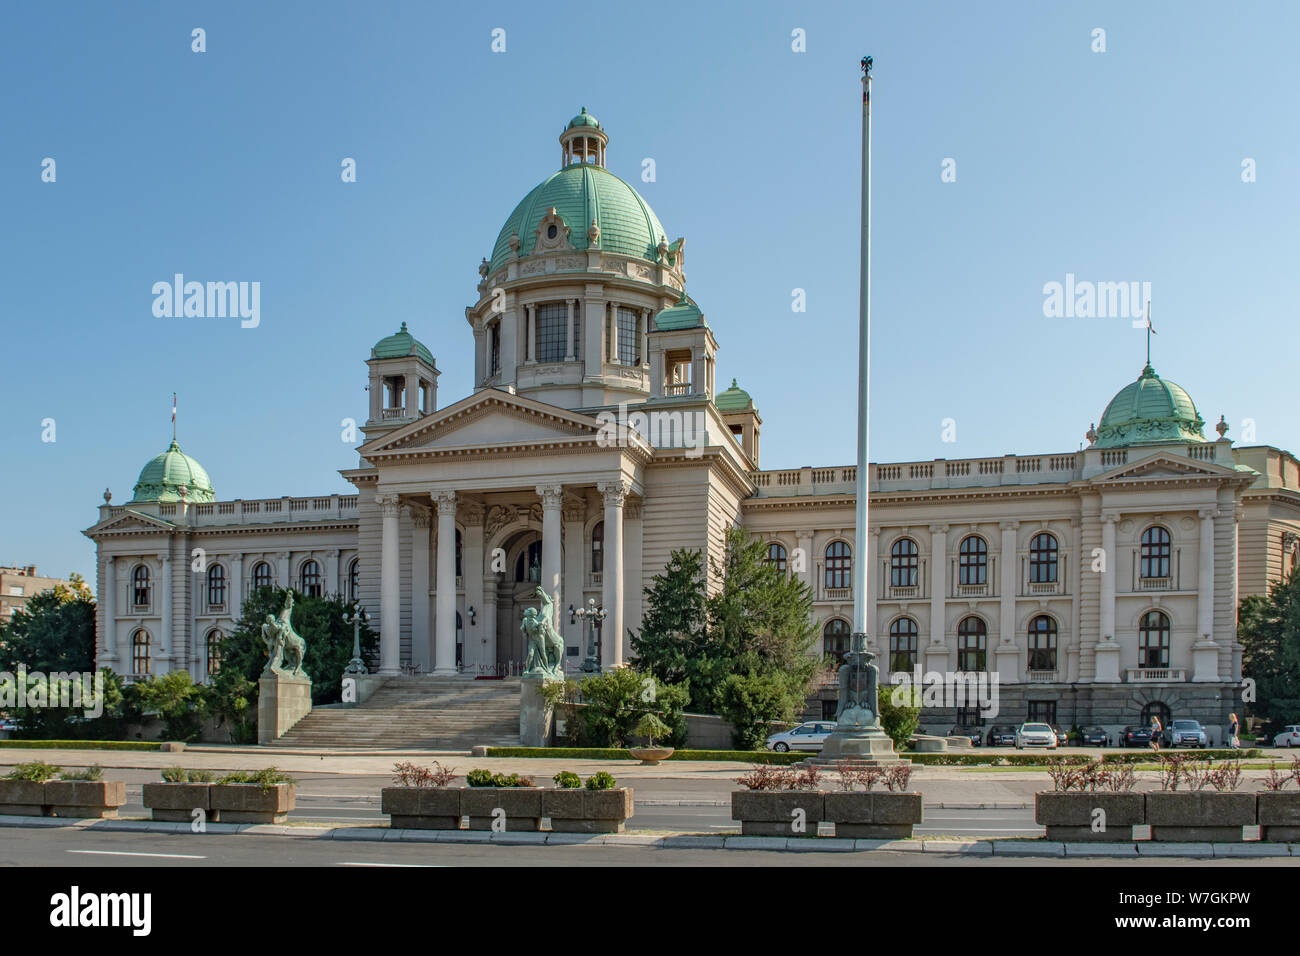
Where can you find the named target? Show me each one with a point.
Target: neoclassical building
(1099, 585)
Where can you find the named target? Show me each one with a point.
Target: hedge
(79, 744)
(1153, 756)
(995, 760)
(617, 753)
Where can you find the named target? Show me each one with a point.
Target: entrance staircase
(417, 713)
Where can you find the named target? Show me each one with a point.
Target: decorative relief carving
(421, 517)
(497, 518)
(632, 510)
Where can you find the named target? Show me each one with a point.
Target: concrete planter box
(587, 811)
(522, 807)
(1199, 816)
(176, 802)
(422, 808)
(250, 803)
(1068, 817)
(873, 815)
(772, 812)
(22, 798)
(1279, 816)
(85, 799)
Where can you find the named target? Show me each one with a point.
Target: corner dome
(584, 119)
(734, 399)
(1152, 409)
(164, 476)
(401, 343)
(684, 315)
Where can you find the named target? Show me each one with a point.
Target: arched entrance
(1157, 709)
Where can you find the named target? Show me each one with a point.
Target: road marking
(166, 856)
(436, 866)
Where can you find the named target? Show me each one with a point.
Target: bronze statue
(284, 646)
(545, 646)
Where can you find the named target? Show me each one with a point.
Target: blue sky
(1117, 166)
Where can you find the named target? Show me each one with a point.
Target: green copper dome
(1149, 410)
(401, 343)
(162, 478)
(584, 119)
(580, 193)
(684, 315)
(734, 399)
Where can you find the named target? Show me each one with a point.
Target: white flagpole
(861, 563)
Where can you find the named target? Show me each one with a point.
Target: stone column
(488, 642)
(552, 502)
(1205, 651)
(236, 605)
(936, 653)
(1007, 655)
(1107, 652)
(421, 635)
(645, 337)
(804, 541)
(509, 341)
(283, 569)
(412, 395)
(332, 572)
(530, 316)
(568, 342)
(109, 600)
(575, 571)
(472, 569)
(614, 493)
(166, 639)
(613, 332)
(445, 636)
(593, 329)
(390, 621)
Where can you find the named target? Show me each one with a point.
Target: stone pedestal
(282, 702)
(870, 746)
(536, 719)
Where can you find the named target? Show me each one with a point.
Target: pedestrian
(1155, 732)
(1233, 724)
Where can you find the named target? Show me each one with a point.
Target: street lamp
(593, 615)
(356, 665)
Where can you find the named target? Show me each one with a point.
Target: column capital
(332, 553)
(803, 534)
(938, 529)
(446, 503)
(388, 505)
(1204, 513)
(614, 492)
(108, 560)
(552, 496)
(1009, 525)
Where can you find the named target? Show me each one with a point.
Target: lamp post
(356, 666)
(593, 616)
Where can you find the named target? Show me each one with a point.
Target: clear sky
(1122, 165)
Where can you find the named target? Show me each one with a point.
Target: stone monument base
(862, 748)
(281, 702)
(536, 719)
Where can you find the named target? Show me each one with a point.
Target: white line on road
(435, 866)
(167, 856)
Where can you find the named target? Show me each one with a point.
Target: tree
(614, 704)
(900, 712)
(176, 699)
(673, 625)
(1269, 630)
(55, 632)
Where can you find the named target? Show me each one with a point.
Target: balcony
(678, 389)
(899, 594)
(1154, 675)
(392, 413)
(972, 590)
(1042, 677)
(837, 594)
(1043, 587)
(1155, 584)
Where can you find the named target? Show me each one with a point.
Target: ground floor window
(829, 709)
(1042, 712)
(970, 717)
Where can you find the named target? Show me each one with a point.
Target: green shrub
(617, 753)
(265, 778)
(92, 774)
(479, 778)
(567, 780)
(651, 727)
(36, 772)
(201, 776)
(600, 780)
(900, 712)
(1146, 755)
(175, 775)
(78, 744)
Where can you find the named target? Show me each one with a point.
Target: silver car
(807, 736)
(1035, 735)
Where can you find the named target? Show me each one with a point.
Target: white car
(807, 736)
(1035, 735)
(1288, 736)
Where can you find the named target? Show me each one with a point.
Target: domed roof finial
(108, 496)
(1222, 427)
(583, 141)
(1092, 434)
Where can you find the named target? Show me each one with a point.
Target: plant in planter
(601, 780)
(1279, 809)
(867, 815)
(1090, 802)
(261, 796)
(650, 727)
(22, 791)
(599, 807)
(567, 780)
(421, 799)
(778, 801)
(84, 794)
(180, 795)
(501, 801)
(1195, 814)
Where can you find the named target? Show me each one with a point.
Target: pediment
(483, 420)
(132, 522)
(1162, 465)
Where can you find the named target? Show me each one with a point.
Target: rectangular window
(552, 331)
(629, 341)
(970, 717)
(1041, 712)
(494, 349)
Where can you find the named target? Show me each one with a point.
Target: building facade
(18, 584)
(1100, 586)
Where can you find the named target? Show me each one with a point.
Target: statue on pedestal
(284, 646)
(545, 646)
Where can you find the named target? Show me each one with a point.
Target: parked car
(809, 735)
(1036, 735)
(1288, 736)
(975, 734)
(1062, 736)
(8, 723)
(1095, 737)
(1184, 733)
(1003, 735)
(1135, 737)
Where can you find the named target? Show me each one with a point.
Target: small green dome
(580, 193)
(401, 343)
(734, 399)
(584, 119)
(162, 478)
(1151, 409)
(684, 315)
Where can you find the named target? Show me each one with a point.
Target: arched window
(902, 645)
(971, 645)
(776, 556)
(261, 575)
(1042, 643)
(1042, 558)
(212, 646)
(598, 548)
(972, 560)
(528, 567)
(216, 585)
(141, 662)
(309, 579)
(1153, 640)
(459, 572)
(1158, 710)
(839, 564)
(1156, 548)
(902, 564)
(354, 579)
(140, 586)
(835, 639)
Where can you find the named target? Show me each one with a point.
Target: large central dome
(582, 192)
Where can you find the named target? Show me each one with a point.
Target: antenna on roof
(173, 416)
